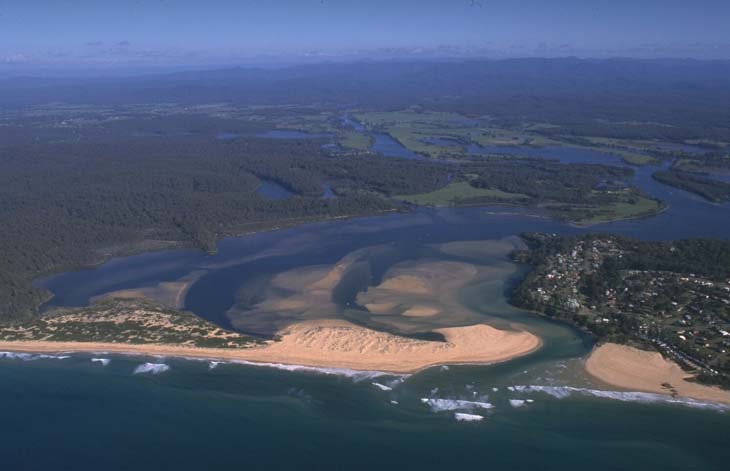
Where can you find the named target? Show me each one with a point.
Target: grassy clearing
(413, 139)
(355, 140)
(633, 206)
(487, 137)
(460, 192)
(411, 128)
(633, 158)
(633, 152)
(310, 123)
(386, 119)
(642, 207)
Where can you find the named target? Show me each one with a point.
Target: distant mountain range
(549, 89)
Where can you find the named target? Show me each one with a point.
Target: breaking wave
(382, 387)
(103, 361)
(31, 356)
(561, 392)
(462, 417)
(151, 368)
(438, 405)
(519, 402)
(357, 375)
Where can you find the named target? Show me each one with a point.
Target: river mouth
(256, 284)
(409, 275)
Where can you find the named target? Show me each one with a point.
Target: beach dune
(335, 344)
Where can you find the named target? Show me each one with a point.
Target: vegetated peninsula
(672, 297)
(712, 190)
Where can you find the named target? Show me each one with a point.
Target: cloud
(15, 59)
(95, 43)
(124, 43)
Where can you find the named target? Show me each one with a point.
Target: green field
(632, 151)
(382, 119)
(315, 123)
(411, 128)
(634, 206)
(354, 140)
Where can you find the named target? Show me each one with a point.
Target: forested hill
(687, 93)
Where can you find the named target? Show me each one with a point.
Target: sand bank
(412, 296)
(169, 293)
(415, 296)
(334, 344)
(640, 370)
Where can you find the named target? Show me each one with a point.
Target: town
(636, 292)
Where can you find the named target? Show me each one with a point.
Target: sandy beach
(640, 370)
(334, 344)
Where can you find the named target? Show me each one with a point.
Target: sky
(233, 32)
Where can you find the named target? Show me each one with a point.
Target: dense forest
(544, 180)
(713, 190)
(62, 204)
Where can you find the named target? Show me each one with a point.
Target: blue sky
(236, 31)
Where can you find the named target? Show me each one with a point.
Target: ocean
(77, 414)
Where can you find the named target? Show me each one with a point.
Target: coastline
(641, 370)
(331, 344)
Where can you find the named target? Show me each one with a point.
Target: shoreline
(331, 344)
(632, 369)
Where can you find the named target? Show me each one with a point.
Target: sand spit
(640, 370)
(334, 344)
